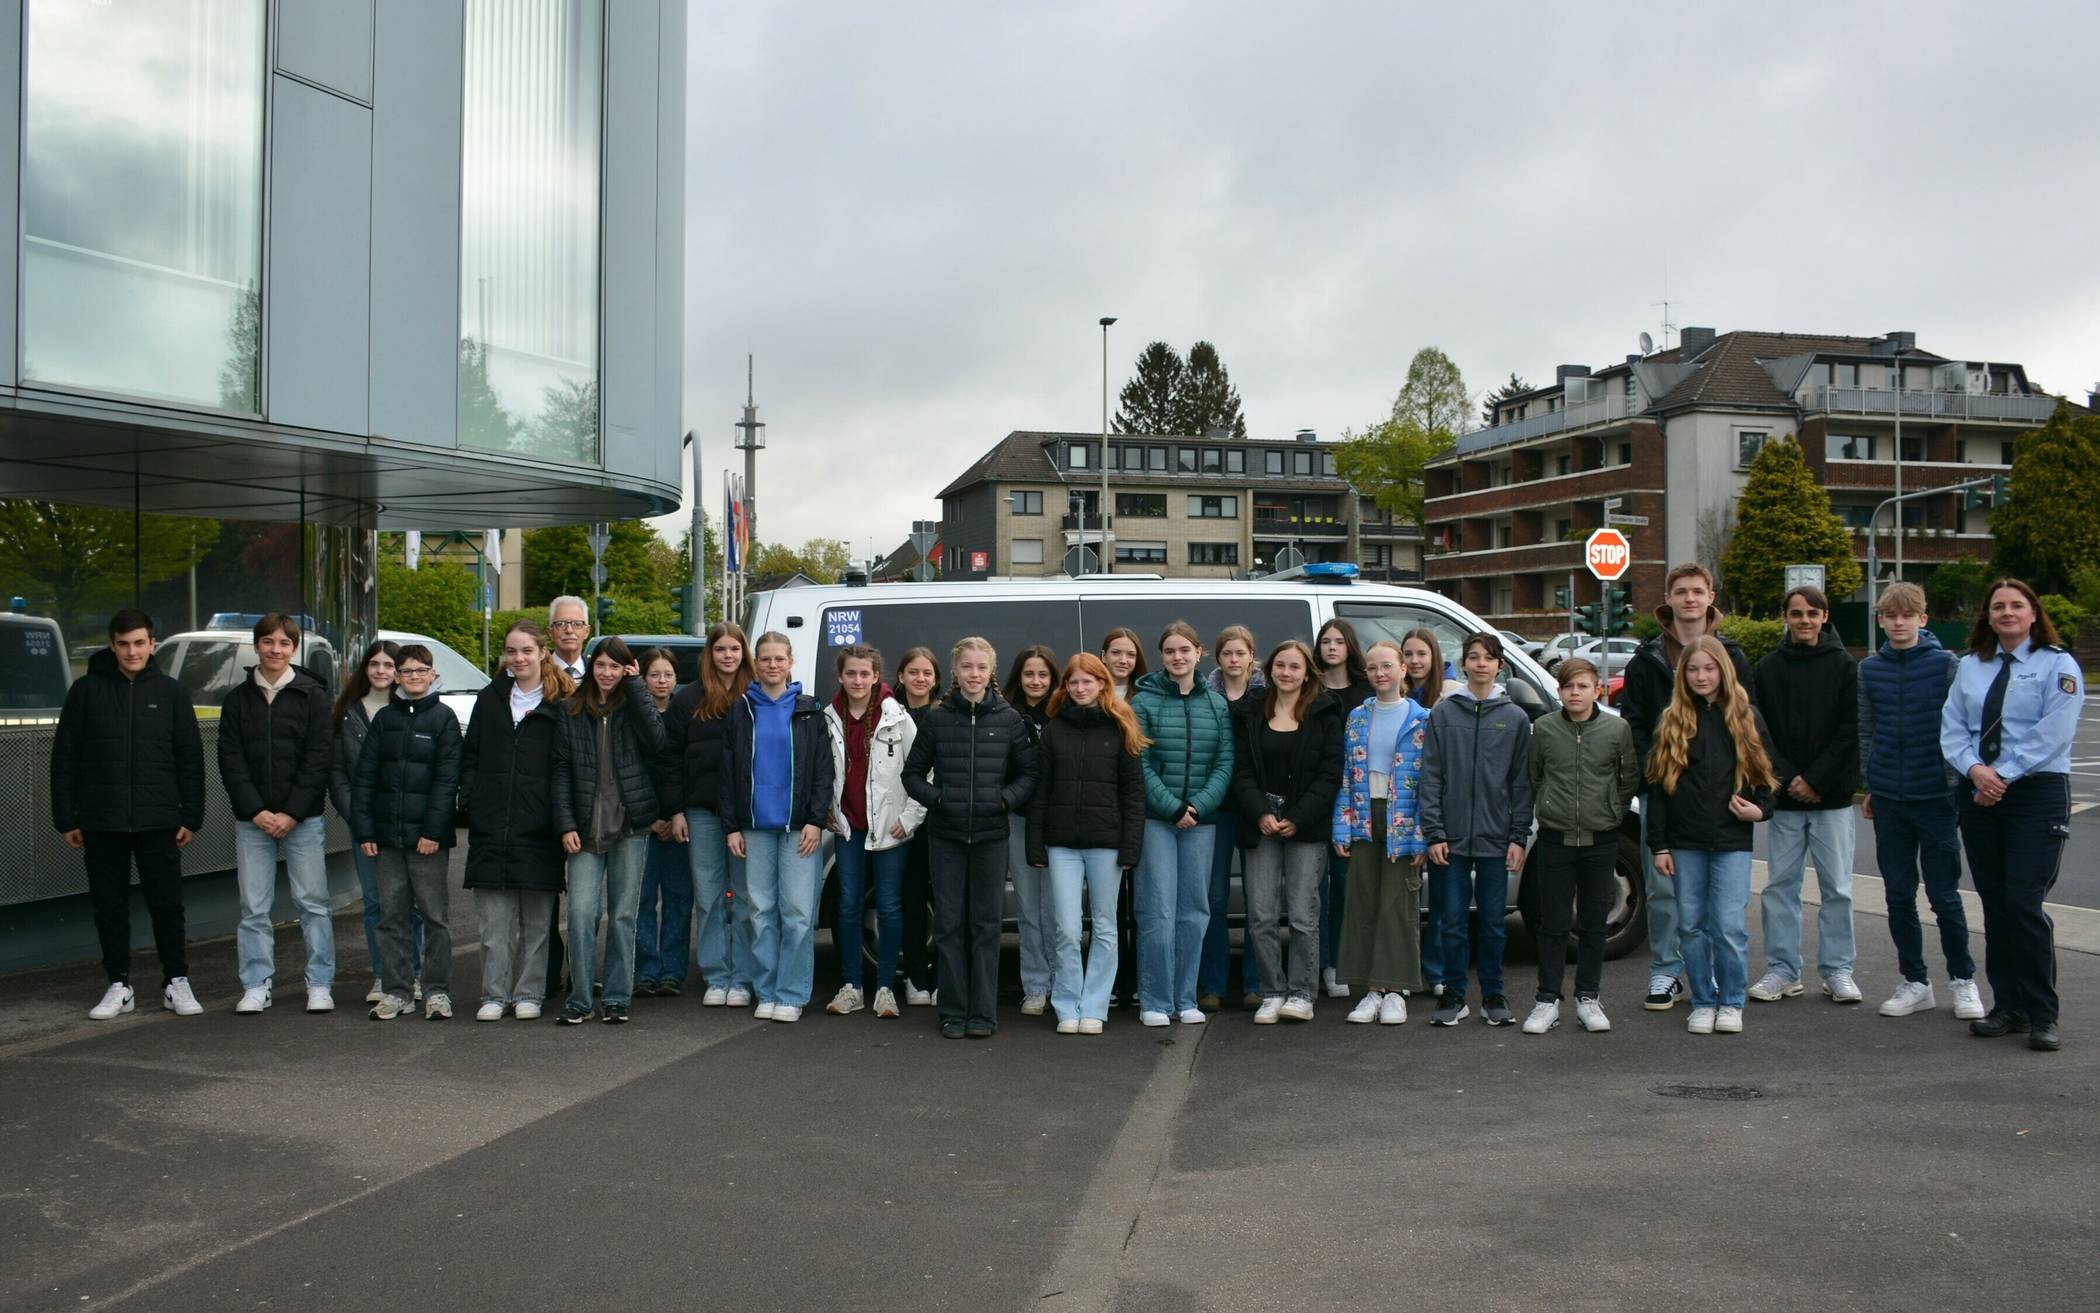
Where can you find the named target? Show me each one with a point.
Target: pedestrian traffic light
(605, 615)
(1562, 597)
(1618, 612)
(682, 607)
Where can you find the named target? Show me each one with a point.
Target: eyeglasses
(570, 624)
(414, 672)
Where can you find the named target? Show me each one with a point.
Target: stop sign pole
(1609, 555)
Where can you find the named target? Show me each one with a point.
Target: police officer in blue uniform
(2007, 730)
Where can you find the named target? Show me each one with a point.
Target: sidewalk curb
(2077, 928)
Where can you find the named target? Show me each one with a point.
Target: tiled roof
(1729, 374)
(1025, 456)
(1018, 455)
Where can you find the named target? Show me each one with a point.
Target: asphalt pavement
(1827, 1158)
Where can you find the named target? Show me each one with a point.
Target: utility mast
(750, 440)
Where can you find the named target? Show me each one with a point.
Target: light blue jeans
(255, 857)
(1171, 903)
(723, 903)
(1796, 837)
(1665, 955)
(1713, 896)
(1077, 874)
(783, 886)
(608, 883)
(1032, 902)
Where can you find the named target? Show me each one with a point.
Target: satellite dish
(1647, 345)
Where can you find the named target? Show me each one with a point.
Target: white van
(1070, 615)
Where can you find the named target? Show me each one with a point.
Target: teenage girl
(1376, 831)
(663, 939)
(368, 688)
(1237, 677)
(1123, 652)
(697, 730)
(1339, 659)
(1030, 683)
(918, 688)
(1422, 659)
(873, 819)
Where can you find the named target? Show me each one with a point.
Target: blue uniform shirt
(2042, 702)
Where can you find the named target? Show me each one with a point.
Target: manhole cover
(1716, 1093)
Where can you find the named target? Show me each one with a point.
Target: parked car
(208, 662)
(1555, 650)
(458, 679)
(34, 669)
(1530, 647)
(685, 649)
(1610, 655)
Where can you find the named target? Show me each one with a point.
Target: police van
(1073, 614)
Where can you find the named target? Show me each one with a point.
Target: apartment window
(1552, 405)
(1377, 556)
(1914, 449)
(1141, 553)
(1561, 530)
(1271, 511)
(1845, 376)
(1078, 456)
(2005, 453)
(1848, 446)
(1327, 464)
(1214, 553)
(1156, 459)
(1560, 464)
(1272, 462)
(1625, 453)
(1748, 442)
(1235, 461)
(1213, 460)
(1110, 455)
(1961, 450)
(1027, 503)
(1855, 517)
(1184, 460)
(1302, 463)
(1214, 508)
(1027, 551)
(1141, 505)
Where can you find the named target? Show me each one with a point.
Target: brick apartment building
(1670, 436)
(1209, 507)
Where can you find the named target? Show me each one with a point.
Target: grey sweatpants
(410, 882)
(514, 943)
(1282, 879)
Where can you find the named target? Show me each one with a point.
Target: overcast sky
(914, 214)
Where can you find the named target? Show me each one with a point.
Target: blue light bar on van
(1341, 570)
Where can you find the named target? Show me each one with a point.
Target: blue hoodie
(772, 756)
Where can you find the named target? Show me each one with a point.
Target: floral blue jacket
(1352, 806)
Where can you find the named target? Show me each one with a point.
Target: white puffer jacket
(888, 745)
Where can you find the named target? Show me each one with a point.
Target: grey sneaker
(437, 1006)
(843, 1003)
(1773, 986)
(1451, 1009)
(1494, 1009)
(885, 1002)
(389, 1007)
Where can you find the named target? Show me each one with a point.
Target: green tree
(438, 598)
(1208, 399)
(1516, 387)
(1385, 463)
(1151, 401)
(78, 561)
(483, 422)
(237, 388)
(1784, 518)
(1434, 398)
(2050, 523)
(1953, 590)
(822, 559)
(558, 562)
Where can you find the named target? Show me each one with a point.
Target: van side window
(1272, 619)
(1374, 621)
(893, 627)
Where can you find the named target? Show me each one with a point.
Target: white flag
(415, 547)
(492, 549)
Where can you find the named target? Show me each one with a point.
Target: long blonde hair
(1112, 706)
(1680, 723)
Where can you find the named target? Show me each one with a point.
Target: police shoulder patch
(2066, 684)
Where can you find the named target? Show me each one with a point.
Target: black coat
(407, 782)
(1695, 815)
(983, 764)
(506, 795)
(1810, 696)
(696, 748)
(1316, 763)
(647, 790)
(128, 756)
(1089, 790)
(275, 754)
(1651, 678)
(349, 742)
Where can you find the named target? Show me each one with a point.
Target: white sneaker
(179, 999)
(1910, 996)
(1034, 1005)
(915, 996)
(1544, 1017)
(320, 998)
(1773, 986)
(785, 1012)
(489, 1012)
(1841, 987)
(764, 1013)
(738, 997)
(1968, 1004)
(1153, 1018)
(1702, 1021)
(1589, 1014)
(1366, 1009)
(885, 1003)
(375, 993)
(116, 1000)
(844, 1003)
(1297, 1009)
(527, 1011)
(389, 1007)
(1270, 1009)
(1392, 1009)
(1069, 1026)
(1191, 1017)
(1334, 988)
(715, 997)
(438, 1007)
(256, 999)
(1728, 1021)
(1090, 1025)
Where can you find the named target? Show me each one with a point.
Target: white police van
(1072, 614)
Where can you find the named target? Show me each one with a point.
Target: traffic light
(1589, 619)
(1562, 597)
(605, 615)
(682, 608)
(1983, 498)
(1618, 612)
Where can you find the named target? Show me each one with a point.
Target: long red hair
(1113, 706)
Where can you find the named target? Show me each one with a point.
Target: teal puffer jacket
(1190, 760)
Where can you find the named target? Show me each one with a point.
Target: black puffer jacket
(809, 781)
(1652, 674)
(506, 792)
(407, 782)
(349, 743)
(1317, 765)
(275, 754)
(1695, 815)
(1809, 693)
(647, 789)
(983, 764)
(695, 748)
(128, 757)
(1089, 791)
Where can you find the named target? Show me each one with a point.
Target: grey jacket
(1476, 791)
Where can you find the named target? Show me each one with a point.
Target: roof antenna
(1669, 325)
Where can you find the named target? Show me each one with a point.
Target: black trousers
(2014, 851)
(913, 963)
(1126, 944)
(969, 896)
(110, 858)
(1577, 881)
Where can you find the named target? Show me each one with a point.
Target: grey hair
(566, 600)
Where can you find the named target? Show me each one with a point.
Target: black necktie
(1994, 710)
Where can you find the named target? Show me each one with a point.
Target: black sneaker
(952, 1028)
(1494, 1009)
(2041, 1037)
(574, 1016)
(645, 989)
(668, 989)
(1663, 993)
(615, 1014)
(1451, 1009)
(980, 1030)
(1997, 1022)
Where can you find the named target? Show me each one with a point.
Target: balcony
(1994, 407)
(1390, 529)
(1568, 418)
(1299, 528)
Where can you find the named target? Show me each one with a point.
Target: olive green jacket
(1584, 773)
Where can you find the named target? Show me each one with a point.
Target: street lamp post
(1102, 509)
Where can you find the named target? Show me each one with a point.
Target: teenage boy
(1688, 612)
(1475, 806)
(276, 745)
(1910, 800)
(1808, 690)
(127, 787)
(1584, 771)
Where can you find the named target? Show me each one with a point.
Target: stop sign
(1608, 554)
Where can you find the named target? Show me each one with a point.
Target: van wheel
(1625, 928)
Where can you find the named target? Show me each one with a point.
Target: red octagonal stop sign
(1608, 554)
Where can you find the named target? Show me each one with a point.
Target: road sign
(1082, 561)
(1608, 554)
(1637, 521)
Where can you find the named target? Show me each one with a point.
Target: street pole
(697, 541)
(1102, 510)
(1873, 546)
(1898, 394)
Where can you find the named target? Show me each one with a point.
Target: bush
(1646, 626)
(438, 600)
(1755, 637)
(1954, 590)
(638, 615)
(2067, 615)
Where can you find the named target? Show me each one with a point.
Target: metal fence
(1928, 405)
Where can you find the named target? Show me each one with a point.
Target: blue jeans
(1466, 880)
(724, 941)
(1171, 897)
(608, 883)
(1713, 896)
(1032, 911)
(1077, 992)
(782, 886)
(1433, 926)
(1216, 965)
(853, 862)
(1914, 833)
(1334, 891)
(255, 857)
(1795, 837)
(1665, 955)
(663, 945)
(367, 869)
